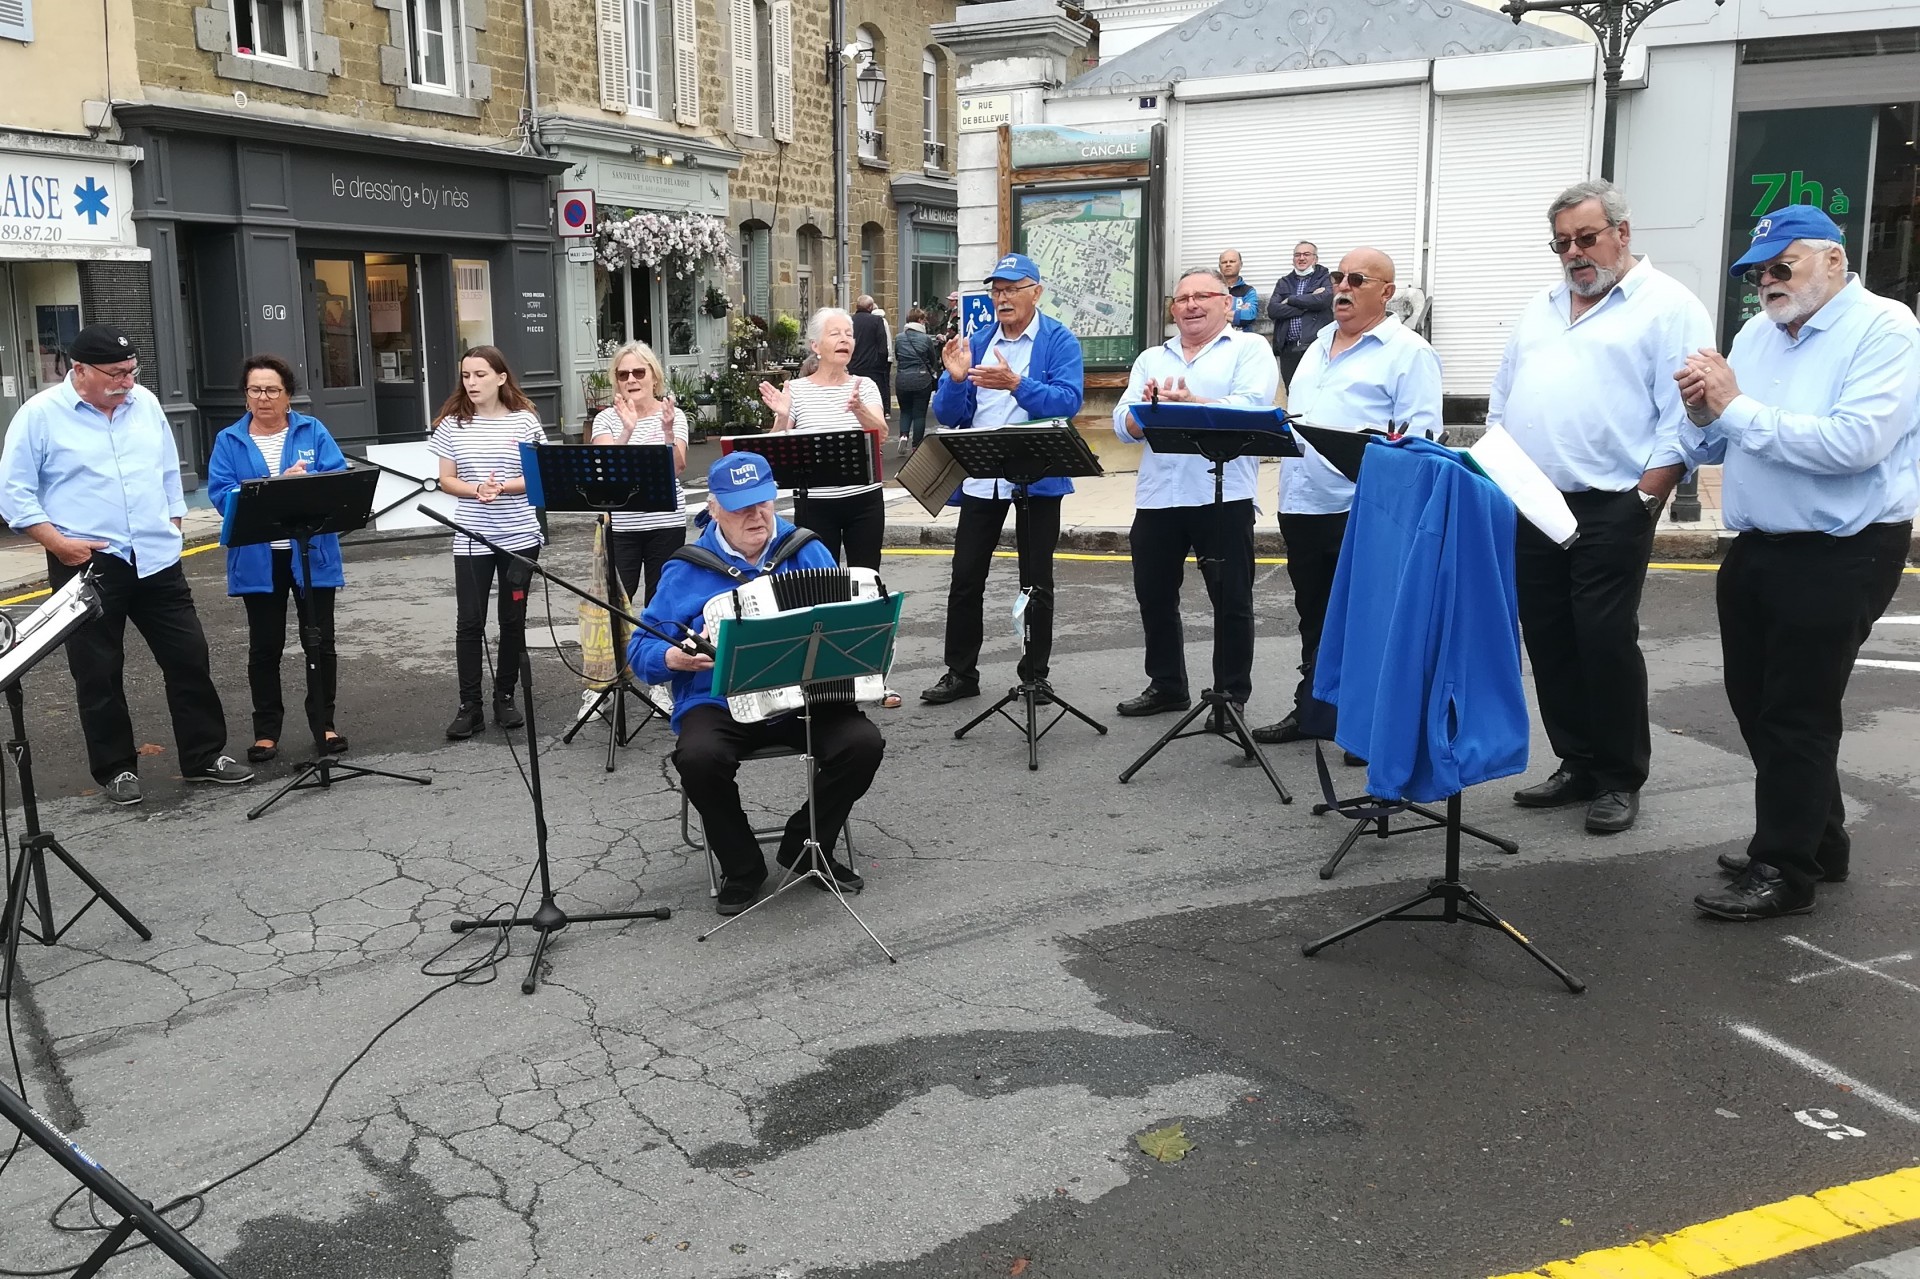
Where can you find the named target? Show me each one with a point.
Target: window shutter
(614, 89)
(16, 19)
(746, 78)
(780, 24)
(686, 63)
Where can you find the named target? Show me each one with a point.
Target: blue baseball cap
(740, 480)
(1773, 233)
(1015, 266)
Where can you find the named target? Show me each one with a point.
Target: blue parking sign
(976, 311)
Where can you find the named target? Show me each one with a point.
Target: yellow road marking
(1751, 1237)
(43, 592)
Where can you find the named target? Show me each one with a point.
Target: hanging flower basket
(673, 244)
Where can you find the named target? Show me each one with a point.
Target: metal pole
(837, 86)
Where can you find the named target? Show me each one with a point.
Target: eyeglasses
(1194, 299)
(1356, 279)
(1008, 290)
(631, 375)
(1781, 271)
(1585, 240)
(127, 374)
(265, 392)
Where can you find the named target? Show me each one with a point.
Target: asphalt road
(1081, 963)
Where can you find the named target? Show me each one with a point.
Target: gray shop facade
(367, 262)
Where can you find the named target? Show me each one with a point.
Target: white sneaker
(588, 708)
(660, 697)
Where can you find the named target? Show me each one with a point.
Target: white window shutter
(780, 19)
(686, 63)
(614, 89)
(746, 70)
(16, 19)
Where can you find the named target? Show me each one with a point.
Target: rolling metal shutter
(1499, 161)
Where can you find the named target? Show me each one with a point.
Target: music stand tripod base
(1225, 721)
(1027, 694)
(325, 772)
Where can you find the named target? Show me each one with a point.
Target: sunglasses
(1585, 240)
(631, 375)
(1356, 279)
(1781, 271)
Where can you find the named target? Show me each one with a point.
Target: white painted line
(1886, 665)
(1904, 957)
(1854, 964)
(1832, 1074)
(1899, 621)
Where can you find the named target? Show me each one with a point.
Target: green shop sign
(1818, 156)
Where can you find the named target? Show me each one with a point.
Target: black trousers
(1580, 615)
(852, 527)
(1290, 357)
(267, 640)
(846, 749)
(640, 554)
(1037, 533)
(1222, 540)
(161, 609)
(472, 581)
(1313, 555)
(1794, 610)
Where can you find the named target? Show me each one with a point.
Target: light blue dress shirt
(1593, 401)
(1235, 368)
(1389, 377)
(1824, 436)
(999, 408)
(114, 481)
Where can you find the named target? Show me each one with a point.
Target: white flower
(682, 244)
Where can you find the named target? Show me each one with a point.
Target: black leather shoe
(737, 894)
(1042, 693)
(1561, 788)
(1287, 730)
(1737, 863)
(1154, 701)
(1352, 760)
(950, 688)
(1613, 811)
(1759, 894)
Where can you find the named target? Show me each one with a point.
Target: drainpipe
(533, 87)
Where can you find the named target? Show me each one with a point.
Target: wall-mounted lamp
(666, 157)
(690, 159)
(870, 84)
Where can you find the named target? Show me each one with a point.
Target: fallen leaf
(1019, 1266)
(1169, 1145)
(1566, 1221)
(148, 748)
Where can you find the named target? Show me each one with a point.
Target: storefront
(631, 172)
(368, 262)
(929, 240)
(65, 219)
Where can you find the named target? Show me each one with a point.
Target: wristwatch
(1650, 502)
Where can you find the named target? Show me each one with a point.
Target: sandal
(262, 751)
(334, 743)
(890, 700)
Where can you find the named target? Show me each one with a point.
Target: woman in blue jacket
(271, 440)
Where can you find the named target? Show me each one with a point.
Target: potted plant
(717, 303)
(783, 339)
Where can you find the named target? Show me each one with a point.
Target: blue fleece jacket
(1054, 386)
(681, 600)
(1421, 648)
(236, 458)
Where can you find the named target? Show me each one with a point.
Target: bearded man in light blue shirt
(1815, 414)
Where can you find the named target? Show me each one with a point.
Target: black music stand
(549, 918)
(1023, 455)
(605, 478)
(803, 460)
(1219, 434)
(71, 607)
(1367, 812)
(297, 509)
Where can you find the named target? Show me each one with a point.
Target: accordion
(787, 592)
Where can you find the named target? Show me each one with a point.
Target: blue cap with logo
(740, 480)
(1773, 233)
(1015, 266)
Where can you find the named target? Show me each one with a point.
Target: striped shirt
(489, 447)
(271, 447)
(607, 429)
(824, 408)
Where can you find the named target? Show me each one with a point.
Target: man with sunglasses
(91, 472)
(1586, 389)
(1366, 369)
(1206, 362)
(1815, 414)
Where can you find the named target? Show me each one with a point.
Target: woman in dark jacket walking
(916, 367)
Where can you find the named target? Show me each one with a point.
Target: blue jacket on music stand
(1421, 649)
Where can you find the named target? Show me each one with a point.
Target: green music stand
(813, 648)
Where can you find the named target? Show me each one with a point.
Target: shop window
(337, 318)
(623, 301)
(935, 268)
(930, 145)
(390, 318)
(473, 301)
(270, 29)
(682, 326)
(872, 142)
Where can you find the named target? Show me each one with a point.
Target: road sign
(574, 215)
(580, 252)
(976, 310)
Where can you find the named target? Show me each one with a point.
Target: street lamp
(870, 84)
(1613, 23)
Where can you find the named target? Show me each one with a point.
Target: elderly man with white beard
(1586, 388)
(1815, 413)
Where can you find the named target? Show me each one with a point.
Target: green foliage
(783, 335)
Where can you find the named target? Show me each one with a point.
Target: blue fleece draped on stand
(1421, 650)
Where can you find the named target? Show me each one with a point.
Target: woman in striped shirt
(643, 412)
(482, 426)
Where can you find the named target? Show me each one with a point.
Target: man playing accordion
(746, 541)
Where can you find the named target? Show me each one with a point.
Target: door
(394, 294)
(338, 357)
(13, 374)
